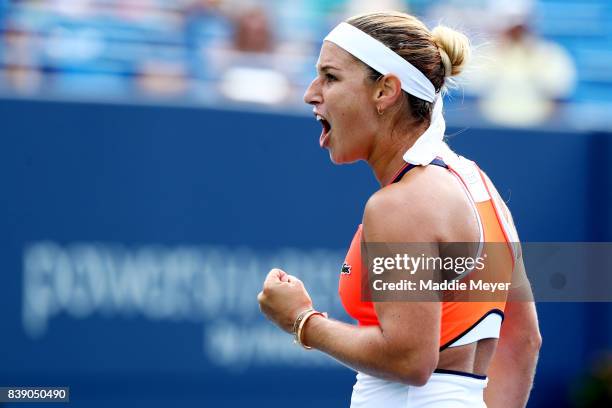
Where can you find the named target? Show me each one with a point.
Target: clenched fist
(283, 298)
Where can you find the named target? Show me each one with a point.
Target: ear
(387, 91)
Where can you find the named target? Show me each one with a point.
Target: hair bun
(454, 49)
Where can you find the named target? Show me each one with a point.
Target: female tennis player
(378, 97)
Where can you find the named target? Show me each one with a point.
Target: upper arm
(521, 317)
(410, 329)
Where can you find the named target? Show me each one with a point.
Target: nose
(312, 95)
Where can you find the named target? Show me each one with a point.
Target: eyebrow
(326, 67)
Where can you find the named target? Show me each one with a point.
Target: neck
(387, 157)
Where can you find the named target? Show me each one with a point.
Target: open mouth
(325, 132)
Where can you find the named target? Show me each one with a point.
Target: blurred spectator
(253, 32)
(255, 67)
(520, 78)
(20, 56)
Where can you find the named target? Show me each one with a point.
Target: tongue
(323, 138)
(324, 134)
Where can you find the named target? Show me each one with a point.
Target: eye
(329, 77)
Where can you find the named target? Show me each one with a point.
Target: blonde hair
(454, 49)
(438, 54)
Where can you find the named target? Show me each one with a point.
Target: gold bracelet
(297, 323)
(302, 324)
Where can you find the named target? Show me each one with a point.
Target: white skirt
(448, 389)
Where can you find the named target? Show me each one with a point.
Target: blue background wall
(171, 178)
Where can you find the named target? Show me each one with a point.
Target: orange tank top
(460, 319)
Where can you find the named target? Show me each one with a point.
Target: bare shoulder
(427, 205)
(403, 212)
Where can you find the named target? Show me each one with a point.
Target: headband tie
(375, 54)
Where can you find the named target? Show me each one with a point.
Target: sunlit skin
(344, 95)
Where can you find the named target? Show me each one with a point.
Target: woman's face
(343, 101)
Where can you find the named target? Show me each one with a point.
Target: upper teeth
(320, 118)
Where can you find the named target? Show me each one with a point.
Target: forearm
(511, 373)
(362, 348)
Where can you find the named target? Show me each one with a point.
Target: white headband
(378, 56)
(375, 54)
